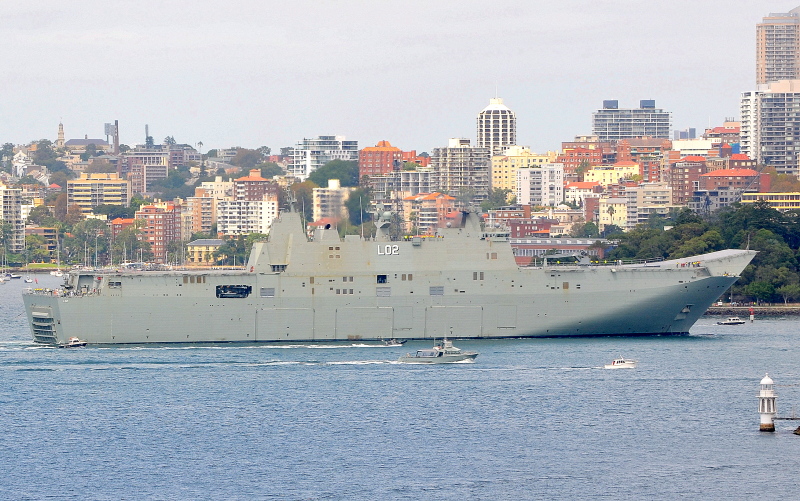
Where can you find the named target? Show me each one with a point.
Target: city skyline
(259, 74)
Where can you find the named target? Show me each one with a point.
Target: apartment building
(461, 168)
(612, 123)
(770, 132)
(497, 127)
(91, 190)
(310, 154)
(778, 47)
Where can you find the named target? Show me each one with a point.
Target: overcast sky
(415, 72)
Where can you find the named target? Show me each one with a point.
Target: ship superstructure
(462, 283)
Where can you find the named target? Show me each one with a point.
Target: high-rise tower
(778, 47)
(497, 127)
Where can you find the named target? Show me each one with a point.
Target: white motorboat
(394, 342)
(731, 321)
(73, 342)
(444, 353)
(28, 279)
(621, 363)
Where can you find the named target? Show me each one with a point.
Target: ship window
(403, 277)
(330, 248)
(565, 285)
(191, 279)
(278, 267)
(474, 275)
(311, 280)
(338, 291)
(481, 275)
(185, 279)
(233, 291)
(351, 291)
(383, 291)
(115, 285)
(437, 290)
(411, 276)
(267, 292)
(382, 279)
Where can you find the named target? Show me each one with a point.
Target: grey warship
(463, 281)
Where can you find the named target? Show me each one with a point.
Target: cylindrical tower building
(497, 127)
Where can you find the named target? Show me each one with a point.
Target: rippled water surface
(530, 419)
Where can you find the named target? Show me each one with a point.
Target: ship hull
(170, 317)
(461, 284)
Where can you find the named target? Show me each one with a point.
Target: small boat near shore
(731, 321)
(73, 343)
(444, 353)
(621, 363)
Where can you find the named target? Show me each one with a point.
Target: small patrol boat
(394, 342)
(621, 363)
(73, 342)
(444, 353)
(731, 321)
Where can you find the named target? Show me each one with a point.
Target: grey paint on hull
(462, 285)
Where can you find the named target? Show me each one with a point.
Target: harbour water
(530, 419)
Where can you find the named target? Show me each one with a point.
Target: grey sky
(261, 72)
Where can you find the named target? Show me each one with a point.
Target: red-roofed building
(163, 225)
(119, 224)
(729, 133)
(739, 179)
(735, 161)
(573, 158)
(426, 212)
(527, 228)
(576, 192)
(380, 159)
(253, 187)
(684, 178)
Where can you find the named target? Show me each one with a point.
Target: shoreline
(744, 311)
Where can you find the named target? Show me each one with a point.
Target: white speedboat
(621, 363)
(731, 321)
(73, 342)
(394, 342)
(444, 353)
(28, 279)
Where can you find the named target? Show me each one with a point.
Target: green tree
(270, 169)
(7, 156)
(498, 197)
(170, 141)
(788, 292)
(114, 211)
(303, 194)
(41, 216)
(346, 171)
(761, 291)
(359, 209)
(246, 158)
(36, 249)
(100, 166)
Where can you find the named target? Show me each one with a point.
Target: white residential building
(770, 132)
(461, 168)
(310, 154)
(497, 127)
(11, 213)
(329, 202)
(242, 217)
(543, 185)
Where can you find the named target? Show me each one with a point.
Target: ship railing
(553, 262)
(60, 292)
